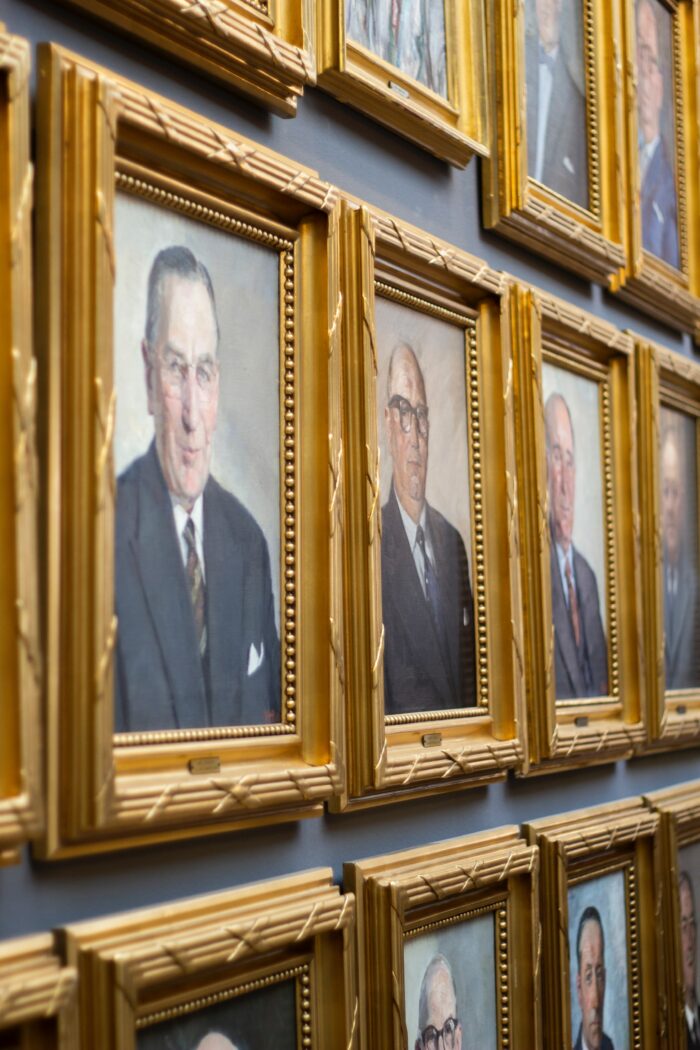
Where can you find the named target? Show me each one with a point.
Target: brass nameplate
(681, 709)
(198, 766)
(431, 739)
(581, 721)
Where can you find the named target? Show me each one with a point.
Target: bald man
(426, 594)
(438, 1023)
(580, 650)
(215, 1041)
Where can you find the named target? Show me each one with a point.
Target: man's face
(671, 499)
(590, 984)
(561, 473)
(548, 19)
(182, 378)
(688, 939)
(650, 88)
(409, 449)
(441, 1006)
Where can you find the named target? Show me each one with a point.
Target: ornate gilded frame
(263, 48)
(400, 895)
(576, 847)
(664, 378)
(110, 790)
(678, 809)
(139, 968)
(20, 654)
(38, 995)
(401, 755)
(575, 732)
(590, 241)
(672, 295)
(453, 128)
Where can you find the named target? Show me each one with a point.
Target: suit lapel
(449, 575)
(157, 553)
(563, 633)
(676, 621)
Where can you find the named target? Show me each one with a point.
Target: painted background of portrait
(440, 349)
(418, 49)
(469, 948)
(245, 276)
(582, 397)
(607, 894)
(261, 1020)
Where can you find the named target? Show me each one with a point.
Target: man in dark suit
(197, 642)
(688, 951)
(580, 650)
(681, 628)
(659, 203)
(557, 153)
(438, 1023)
(590, 982)
(426, 594)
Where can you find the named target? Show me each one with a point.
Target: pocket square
(255, 658)
(657, 212)
(569, 166)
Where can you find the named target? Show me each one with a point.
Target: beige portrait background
(469, 947)
(245, 276)
(440, 349)
(582, 397)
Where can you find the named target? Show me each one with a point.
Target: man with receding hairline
(215, 1041)
(426, 594)
(590, 981)
(439, 1027)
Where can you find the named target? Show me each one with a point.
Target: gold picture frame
(142, 785)
(678, 809)
(162, 966)
(668, 383)
(263, 48)
(662, 272)
(403, 753)
(38, 995)
(589, 366)
(20, 653)
(574, 211)
(427, 892)
(616, 847)
(447, 112)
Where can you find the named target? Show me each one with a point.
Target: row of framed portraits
(585, 112)
(254, 591)
(577, 930)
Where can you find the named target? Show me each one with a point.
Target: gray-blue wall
(381, 168)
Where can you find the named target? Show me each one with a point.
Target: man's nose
(190, 400)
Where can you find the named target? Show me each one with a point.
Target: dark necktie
(432, 589)
(573, 604)
(196, 585)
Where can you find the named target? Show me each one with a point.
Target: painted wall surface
(381, 168)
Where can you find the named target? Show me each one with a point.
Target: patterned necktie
(573, 604)
(432, 590)
(196, 585)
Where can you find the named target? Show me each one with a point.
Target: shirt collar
(409, 524)
(562, 558)
(197, 515)
(691, 1016)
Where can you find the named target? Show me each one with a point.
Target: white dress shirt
(197, 516)
(544, 96)
(646, 155)
(562, 559)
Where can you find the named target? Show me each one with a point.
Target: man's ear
(148, 370)
(578, 985)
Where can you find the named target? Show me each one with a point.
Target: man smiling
(197, 642)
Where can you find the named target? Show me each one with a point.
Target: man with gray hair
(197, 643)
(439, 1027)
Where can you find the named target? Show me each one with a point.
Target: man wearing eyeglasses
(438, 1025)
(197, 644)
(658, 202)
(590, 981)
(689, 959)
(426, 595)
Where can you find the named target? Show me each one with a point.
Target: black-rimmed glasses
(407, 412)
(431, 1036)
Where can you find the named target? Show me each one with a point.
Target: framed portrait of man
(669, 409)
(427, 645)
(551, 181)
(417, 66)
(20, 658)
(662, 244)
(419, 983)
(578, 486)
(262, 967)
(603, 956)
(183, 525)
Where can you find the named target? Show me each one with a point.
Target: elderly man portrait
(409, 34)
(557, 152)
(197, 641)
(439, 1027)
(581, 655)
(590, 982)
(426, 594)
(658, 202)
(689, 957)
(679, 570)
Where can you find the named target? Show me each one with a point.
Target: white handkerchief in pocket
(255, 658)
